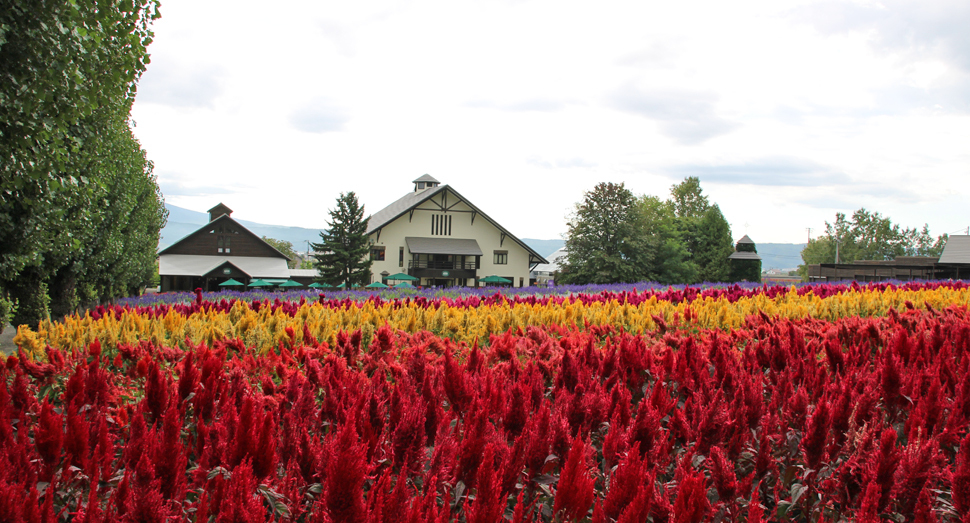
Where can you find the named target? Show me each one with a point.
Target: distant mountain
(544, 247)
(773, 255)
(780, 255)
(182, 222)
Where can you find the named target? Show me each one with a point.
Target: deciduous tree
(868, 236)
(286, 248)
(603, 243)
(68, 73)
(704, 231)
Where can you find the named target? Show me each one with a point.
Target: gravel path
(6, 340)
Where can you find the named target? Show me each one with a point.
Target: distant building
(745, 262)
(438, 236)
(544, 273)
(220, 250)
(953, 263)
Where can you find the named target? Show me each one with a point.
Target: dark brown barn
(219, 250)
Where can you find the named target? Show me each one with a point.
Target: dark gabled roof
(741, 255)
(223, 218)
(745, 239)
(409, 201)
(426, 178)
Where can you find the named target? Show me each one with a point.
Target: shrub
(8, 307)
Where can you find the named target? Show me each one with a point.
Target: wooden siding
(242, 242)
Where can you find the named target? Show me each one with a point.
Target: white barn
(436, 235)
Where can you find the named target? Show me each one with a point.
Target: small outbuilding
(745, 261)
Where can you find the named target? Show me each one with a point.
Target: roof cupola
(425, 182)
(218, 211)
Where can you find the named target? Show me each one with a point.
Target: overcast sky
(787, 111)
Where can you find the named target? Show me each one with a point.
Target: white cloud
(800, 105)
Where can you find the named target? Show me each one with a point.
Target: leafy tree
(868, 236)
(713, 246)
(603, 243)
(68, 73)
(704, 231)
(688, 199)
(667, 256)
(342, 254)
(286, 248)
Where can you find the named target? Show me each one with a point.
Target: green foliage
(30, 293)
(617, 237)
(286, 248)
(712, 245)
(78, 203)
(668, 259)
(8, 309)
(342, 254)
(687, 198)
(603, 243)
(868, 236)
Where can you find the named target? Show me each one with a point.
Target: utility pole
(809, 229)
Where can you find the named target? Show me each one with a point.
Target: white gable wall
(420, 225)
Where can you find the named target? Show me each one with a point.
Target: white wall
(487, 235)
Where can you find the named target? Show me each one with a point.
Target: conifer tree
(342, 255)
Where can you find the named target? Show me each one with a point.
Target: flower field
(819, 403)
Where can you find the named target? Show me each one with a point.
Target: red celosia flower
(917, 466)
(241, 503)
(49, 434)
(489, 503)
(156, 392)
(960, 480)
(692, 504)
(343, 487)
(722, 474)
(814, 437)
(629, 478)
(170, 456)
(884, 465)
(868, 511)
(574, 492)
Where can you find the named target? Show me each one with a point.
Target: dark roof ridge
(231, 219)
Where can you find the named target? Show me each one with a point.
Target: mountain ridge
(182, 222)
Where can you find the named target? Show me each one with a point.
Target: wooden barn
(218, 251)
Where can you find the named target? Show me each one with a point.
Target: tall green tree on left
(80, 210)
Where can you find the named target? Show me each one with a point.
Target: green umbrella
(231, 283)
(401, 276)
(291, 283)
(343, 285)
(494, 279)
(376, 285)
(260, 283)
(404, 284)
(316, 285)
